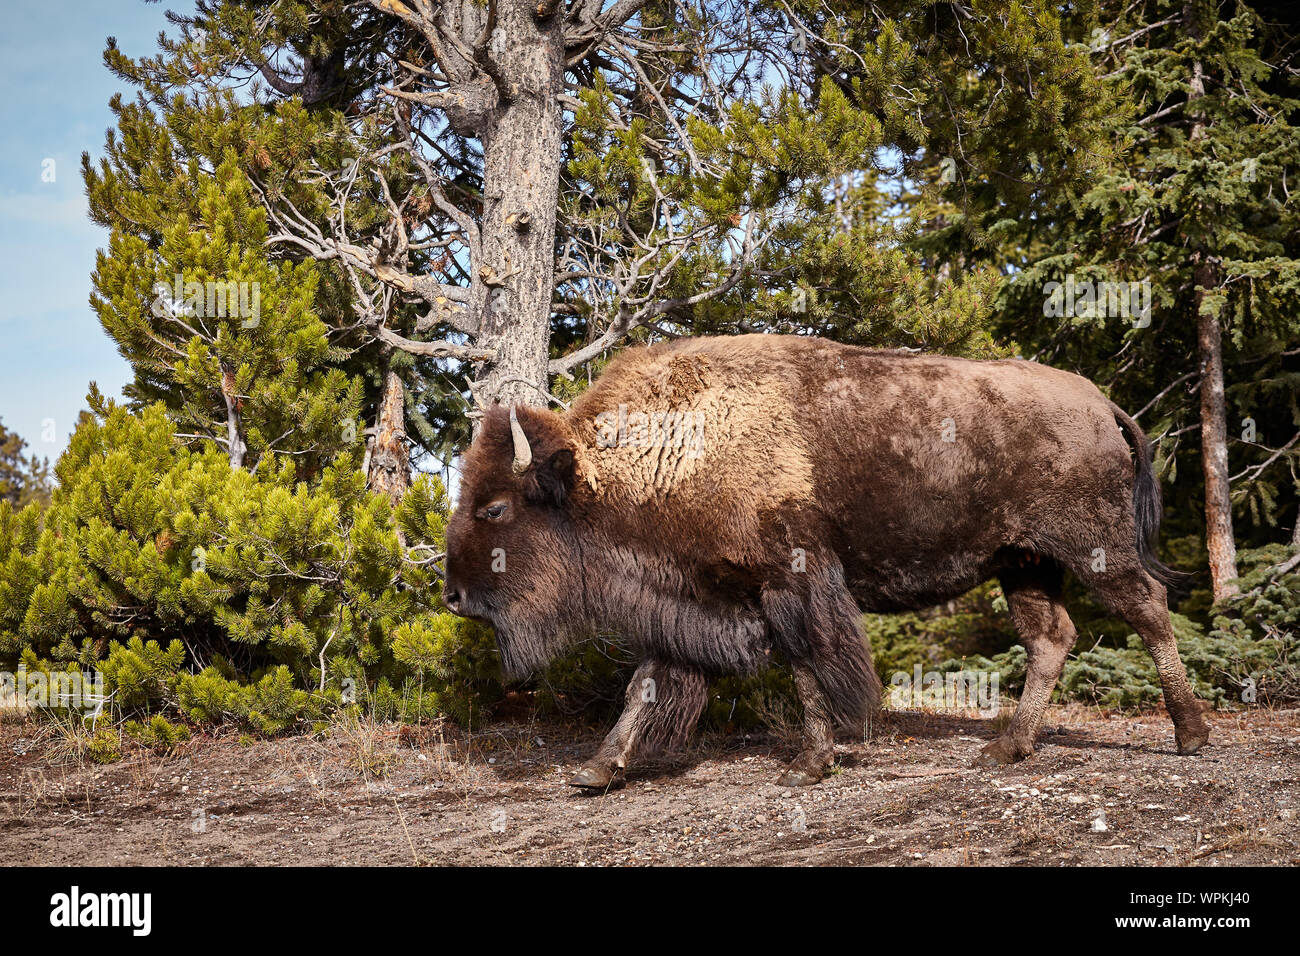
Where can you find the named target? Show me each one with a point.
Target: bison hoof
(1190, 742)
(597, 777)
(805, 770)
(1002, 751)
(797, 778)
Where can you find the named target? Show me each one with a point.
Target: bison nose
(451, 596)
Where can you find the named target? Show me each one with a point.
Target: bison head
(512, 548)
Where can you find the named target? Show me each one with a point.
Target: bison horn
(523, 454)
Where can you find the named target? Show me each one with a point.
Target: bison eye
(495, 510)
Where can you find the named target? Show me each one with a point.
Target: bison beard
(820, 480)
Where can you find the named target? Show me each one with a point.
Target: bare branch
(440, 349)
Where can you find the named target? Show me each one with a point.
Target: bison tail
(1147, 506)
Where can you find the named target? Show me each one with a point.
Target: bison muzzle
(713, 500)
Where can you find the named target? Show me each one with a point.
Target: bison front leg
(817, 627)
(818, 744)
(662, 703)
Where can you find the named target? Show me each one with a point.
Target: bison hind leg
(1131, 593)
(1033, 595)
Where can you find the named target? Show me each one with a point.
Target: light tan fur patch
(670, 422)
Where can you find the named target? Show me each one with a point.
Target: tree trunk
(235, 446)
(389, 469)
(1214, 446)
(1197, 16)
(522, 144)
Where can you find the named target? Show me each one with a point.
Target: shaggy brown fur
(715, 499)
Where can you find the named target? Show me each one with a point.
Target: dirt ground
(1101, 790)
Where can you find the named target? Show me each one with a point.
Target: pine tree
(23, 479)
(509, 190)
(232, 594)
(404, 398)
(227, 339)
(1195, 203)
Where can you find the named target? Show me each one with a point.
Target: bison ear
(550, 481)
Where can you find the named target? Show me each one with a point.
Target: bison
(713, 500)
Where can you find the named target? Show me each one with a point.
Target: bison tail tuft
(1147, 506)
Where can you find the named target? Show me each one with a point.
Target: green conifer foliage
(228, 340)
(155, 560)
(23, 479)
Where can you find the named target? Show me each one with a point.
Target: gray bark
(1219, 539)
(522, 143)
(235, 446)
(389, 461)
(1214, 450)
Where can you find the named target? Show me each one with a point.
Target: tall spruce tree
(1197, 203)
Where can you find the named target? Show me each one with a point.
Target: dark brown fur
(828, 480)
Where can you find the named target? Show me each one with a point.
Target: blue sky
(54, 93)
